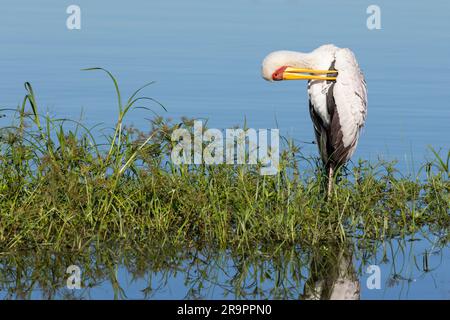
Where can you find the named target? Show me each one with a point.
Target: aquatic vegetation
(62, 190)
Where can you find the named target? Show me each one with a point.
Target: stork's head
(291, 65)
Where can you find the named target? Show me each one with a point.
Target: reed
(62, 189)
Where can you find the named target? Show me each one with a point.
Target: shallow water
(412, 268)
(205, 57)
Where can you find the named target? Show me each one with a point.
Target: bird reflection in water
(332, 275)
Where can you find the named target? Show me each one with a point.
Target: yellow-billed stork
(337, 97)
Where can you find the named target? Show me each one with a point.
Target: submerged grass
(61, 189)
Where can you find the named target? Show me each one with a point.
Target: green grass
(62, 190)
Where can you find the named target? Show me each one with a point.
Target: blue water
(205, 57)
(403, 272)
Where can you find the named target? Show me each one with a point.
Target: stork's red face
(289, 73)
(278, 74)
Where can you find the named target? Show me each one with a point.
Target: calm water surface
(206, 56)
(412, 268)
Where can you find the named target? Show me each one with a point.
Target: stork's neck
(321, 58)
(299, 60)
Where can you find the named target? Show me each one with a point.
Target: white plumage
(337, 95)
(350, 95)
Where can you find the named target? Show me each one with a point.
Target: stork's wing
(350, 97)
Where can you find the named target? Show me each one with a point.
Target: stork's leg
(330, 180)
